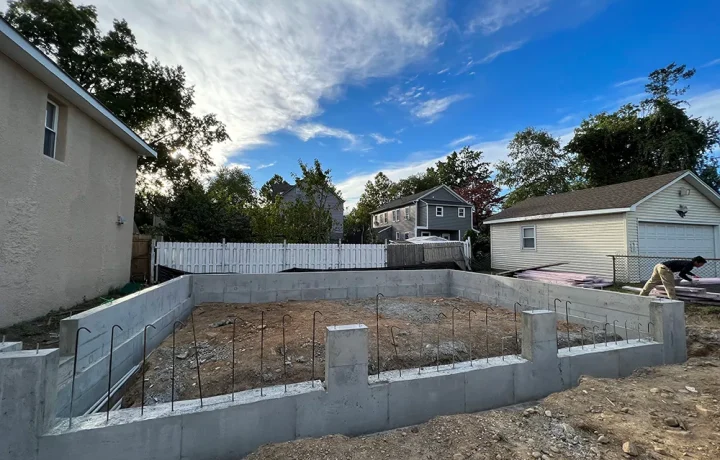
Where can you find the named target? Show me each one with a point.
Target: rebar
(112, 340)
(437, 350)
(487, 335)
(593, 330)
(197, 357)
(605, 327)
(394, 344)
(377, 329)
(567, 322)
(557, 336)
(627, 336)
(453, 335)
(653, 325)
(502, 346)
(232, 390)
(172, 380)
(262, 345)
(582, 337)
(142, 394)
(313, 349)
(470, 333)
(517, 341)
(72, 385)
(285, 350)
(426, 319)
(638, 330)
(615, 331)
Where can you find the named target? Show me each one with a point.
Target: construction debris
(565, 278)
(684, 293)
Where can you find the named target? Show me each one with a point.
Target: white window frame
(440, 210)
(461, 213)
(425, 234)
(53, 129)
(407, 213)
(407, 235)
(522, 238)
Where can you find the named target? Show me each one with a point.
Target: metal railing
(638, 269)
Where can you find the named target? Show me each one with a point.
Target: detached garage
(669, 216)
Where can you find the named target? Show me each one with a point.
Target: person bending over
(664, 274)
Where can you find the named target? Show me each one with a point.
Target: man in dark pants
(664, 274)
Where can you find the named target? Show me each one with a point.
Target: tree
(537, 166)
(267, 190)
(232, 187)
(148, 97)
(357, 225)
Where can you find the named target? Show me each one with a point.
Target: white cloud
(462, 140)
(307, 131)
(566, 119)
(431, 109)
(445, 70)
(632, 81)
(264, 66)
(498, 14)
(269, 165)
(706, 105)
(380, 139)
(505, 49)
(238, 165)
(711, 63)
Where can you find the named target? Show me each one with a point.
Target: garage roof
(609, 199)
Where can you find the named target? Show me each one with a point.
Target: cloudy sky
(393, 85)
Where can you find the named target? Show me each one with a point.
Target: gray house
(435, 212)
(333, 203)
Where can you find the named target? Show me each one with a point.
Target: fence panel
(254, 258)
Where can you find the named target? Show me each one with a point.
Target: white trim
(441, 209)
(708, 192)
(425, 234)
(522, 238)
(443, 235)
(559, 215)
(660, 221)
(422, 228)
(461, 208)
(459, 236)
(14, 45)
(53, 128)
(449, 190)
(416, 219)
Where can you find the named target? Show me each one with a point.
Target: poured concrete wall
(159, 306)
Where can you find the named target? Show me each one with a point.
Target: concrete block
(367, 292)
(489, 386)
(346, 345)
(314, 294)
(283, 296)
(600, 362)
(639, 354)
(336, 293)
(539, 339)
(417, 399)
(432, 290)
(235, 297)
(10, 346)
(536, 380)
(263, 296)
(27, 400)
(668, 327)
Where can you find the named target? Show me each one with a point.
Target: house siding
(450, 219)
(333, 204)
(440, 194)
(422, 214)
(583, 242)
(402, 225)
(59, 240)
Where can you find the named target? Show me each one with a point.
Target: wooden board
(512, 272)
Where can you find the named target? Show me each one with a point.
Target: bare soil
(408, 317)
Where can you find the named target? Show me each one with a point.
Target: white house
(672, 215)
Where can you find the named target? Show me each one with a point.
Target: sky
(393, 86)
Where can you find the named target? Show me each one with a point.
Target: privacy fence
(637, 269)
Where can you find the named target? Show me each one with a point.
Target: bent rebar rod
(197, 358)
(377, 328)
(312, 379)
(72, 386)
(605, 327)
(567, 322)
(453, 335)
(172, 380)
(112, 339)
(285, 350)
(582, 337)
(394, 344)
(470, 332)
(142, 395)
(593, 331)
(487, 335)
(437, 350)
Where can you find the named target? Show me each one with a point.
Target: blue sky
(368, 86)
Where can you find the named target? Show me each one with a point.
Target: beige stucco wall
(583, 242)
(59, 241)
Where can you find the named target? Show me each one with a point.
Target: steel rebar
(470, 333)
(567, 322)
(72, 385)
(582, 337)
(593, 330)
(197, 357)
(557, 336)
(627, 336)
(232, 369)
(426, 319)
(605, 327)
(453, 335)
(377, 329)
(285, 350)
(487, 335)
(262, 345)
(502, 346)
(394, 344)
(313, 348)
(517, 340)
(172, 380)
(649, 336)
(142, 395)
(437, 350)
(112, 340)
(638, 330)
(615, 331)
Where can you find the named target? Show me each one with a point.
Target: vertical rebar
(653, 325)
(72, 385)
(567, 321)
(232, 368)
(517, 340)
(593, 331)
(605, 327)
(470, 333)
(262, 345)
(638, 329)
(615, 331)
(377, 329)
(487, 335)
(172, 380)
(394, 344)
(313, 348)
(142, 395)
(453, 335)
(557, 337)
(582, 337)
(437, 349)
(422, 344)
(112, 339)
(197, 357)
(285, 351)
(627, 336)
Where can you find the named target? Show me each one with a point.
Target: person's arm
(686, 271)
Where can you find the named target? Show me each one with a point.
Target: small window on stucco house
(52, 113)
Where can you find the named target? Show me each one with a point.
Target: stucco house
(435, 212)
(67, 187)
(671, 215)
(333, 203)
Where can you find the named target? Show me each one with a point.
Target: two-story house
(435, 212)
(67, 187)
(333, 203)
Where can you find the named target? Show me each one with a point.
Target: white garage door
(675, 240)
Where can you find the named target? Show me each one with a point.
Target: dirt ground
(406, 316)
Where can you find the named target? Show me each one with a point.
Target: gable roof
(608, 199)
(34, 61)
(280, 189)
(405, 200)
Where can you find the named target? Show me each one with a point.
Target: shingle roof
(622, 195)
(280, 188)
(400, 202)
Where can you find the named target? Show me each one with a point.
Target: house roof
(281, 188)
(27, 56)
(403, 201)
(608, 199)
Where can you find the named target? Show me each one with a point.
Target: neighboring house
(333, 203)
(67, 187)
(436, 212)
(672, 215)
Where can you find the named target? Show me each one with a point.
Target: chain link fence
(638, 269)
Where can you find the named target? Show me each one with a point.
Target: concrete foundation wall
(159, 306)
(280, 287)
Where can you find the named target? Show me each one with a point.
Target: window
(528, 237)
(438, 211)
(407, 213)
(396, 215)
(424, 233)
(375, 220)
(407, 235)
(461, 212)
(51, 127)
(446, 236)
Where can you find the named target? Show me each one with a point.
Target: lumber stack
(565, 278)
(684, 293)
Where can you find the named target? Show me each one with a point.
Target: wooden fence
(140, 262)
(253, 258)
(402, 255)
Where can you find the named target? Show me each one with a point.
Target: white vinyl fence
(252, 258)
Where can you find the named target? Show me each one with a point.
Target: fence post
(222, 257)
(614, 271)
(284, 264)
(153, 275)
